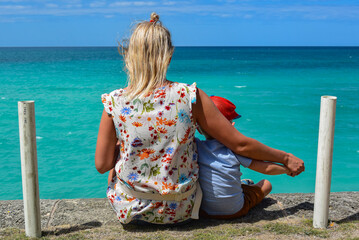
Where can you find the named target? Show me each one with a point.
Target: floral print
(157, 154)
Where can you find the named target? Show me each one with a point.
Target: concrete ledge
(82, 214)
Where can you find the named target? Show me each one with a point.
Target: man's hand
(294, 164)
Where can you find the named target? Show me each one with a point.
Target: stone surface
(89, 213)
(12, 213)
(81, 211)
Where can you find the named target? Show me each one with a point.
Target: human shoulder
(112, 95)
(182, 85)
(184, 90)
(116, 92)
(110, 100)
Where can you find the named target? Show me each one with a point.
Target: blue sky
(192, 22)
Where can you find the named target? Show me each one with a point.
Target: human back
(157, 151)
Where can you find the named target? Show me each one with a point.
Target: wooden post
(324, 161)
(30, 182)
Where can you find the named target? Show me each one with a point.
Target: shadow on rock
(353, 217)
(256, 214)
(260, 213)
(60, 231)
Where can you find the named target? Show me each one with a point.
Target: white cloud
(12, 7)
(223, 15)
(10, 1)
(133, 3)
(73, 1)
(228, 10)
(169, 3)
(51, 5)
(76, 5)
(120, 4)
(97, 4)
(142, 3)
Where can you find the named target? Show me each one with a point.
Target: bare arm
(105, 156)
(268, 168)
(215, 124)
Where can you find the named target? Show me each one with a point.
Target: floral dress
(157, 155)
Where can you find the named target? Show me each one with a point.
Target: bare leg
(265, 186)
(111, 175)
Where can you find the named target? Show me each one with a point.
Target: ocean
(277, 91)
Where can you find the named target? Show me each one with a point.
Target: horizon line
(214, 46)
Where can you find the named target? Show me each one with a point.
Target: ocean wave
(39, 137)
(240, 86)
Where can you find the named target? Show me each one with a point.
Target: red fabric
(226, 107)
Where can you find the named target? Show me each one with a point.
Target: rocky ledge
(94, 218)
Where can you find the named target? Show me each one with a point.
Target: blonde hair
(147, 55)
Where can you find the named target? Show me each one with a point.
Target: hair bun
(154, 17)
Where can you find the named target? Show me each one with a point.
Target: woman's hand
(294, 164)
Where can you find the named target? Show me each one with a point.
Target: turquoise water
(277, 91)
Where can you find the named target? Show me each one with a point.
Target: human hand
(288, 172)
(294, 164)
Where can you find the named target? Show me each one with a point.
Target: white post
(324, 161)
(30, 182)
